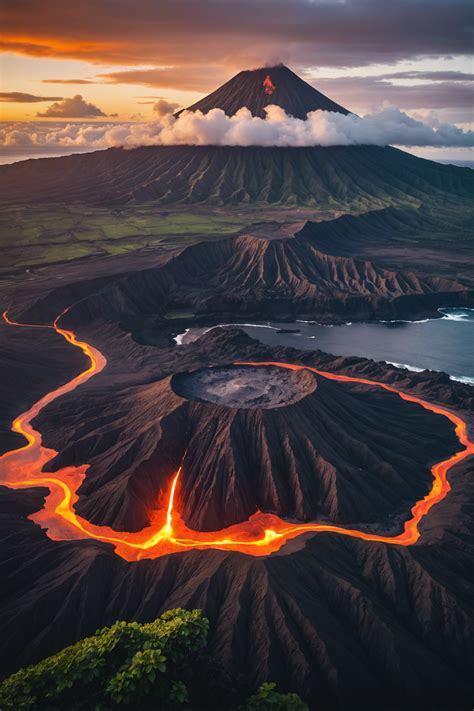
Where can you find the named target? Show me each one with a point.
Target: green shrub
(128, 664)
(268, 698)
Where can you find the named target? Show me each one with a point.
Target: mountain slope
(249, 276)
(257, 88)
(345, 624)
(338, 177)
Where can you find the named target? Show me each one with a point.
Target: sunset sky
(129, 60)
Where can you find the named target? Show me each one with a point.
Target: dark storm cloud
(19, 97)
(239, 32)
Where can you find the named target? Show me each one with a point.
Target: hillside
(338, 177)
(248, 276)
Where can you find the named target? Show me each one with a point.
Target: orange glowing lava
(268, 86)
(167, 533)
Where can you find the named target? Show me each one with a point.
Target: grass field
(33, 236)
(36, 236)
(178, 314)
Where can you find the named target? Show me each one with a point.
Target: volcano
(349, 178)
(278, 441)
(256, 89)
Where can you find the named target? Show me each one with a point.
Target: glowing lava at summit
(268, 86)
(262, 534)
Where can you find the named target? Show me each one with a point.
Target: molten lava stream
(260, 535)
(268, 86)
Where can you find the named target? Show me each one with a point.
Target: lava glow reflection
(167, 533)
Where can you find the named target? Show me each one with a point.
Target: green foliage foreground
(123, 665)
(268, 698)
(128, 665)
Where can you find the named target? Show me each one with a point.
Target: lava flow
(167, 533)
(268, 86)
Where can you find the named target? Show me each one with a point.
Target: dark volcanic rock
(348, 624)
(350, 453)
(251, 277)
(24, 382)
(247, 89)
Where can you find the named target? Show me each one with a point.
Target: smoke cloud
(389, 126)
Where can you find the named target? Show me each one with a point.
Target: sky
(118, 61)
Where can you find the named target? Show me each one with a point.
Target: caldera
(240, 386)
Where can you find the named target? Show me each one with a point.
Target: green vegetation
(32, 236)
(126, 665)
(177, 314)
(129, 666)
(268, 698)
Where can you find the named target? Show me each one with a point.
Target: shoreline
(444, 316)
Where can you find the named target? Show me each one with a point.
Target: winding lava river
(262, 534)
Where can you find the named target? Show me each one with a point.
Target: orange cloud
(68, 81)
(19, 97)
(197, 78)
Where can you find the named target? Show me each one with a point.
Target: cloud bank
(439, 90)
(242, 33)
(321, 128)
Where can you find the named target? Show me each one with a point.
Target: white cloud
(389, 126)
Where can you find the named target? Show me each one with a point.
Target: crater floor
(240, 386)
